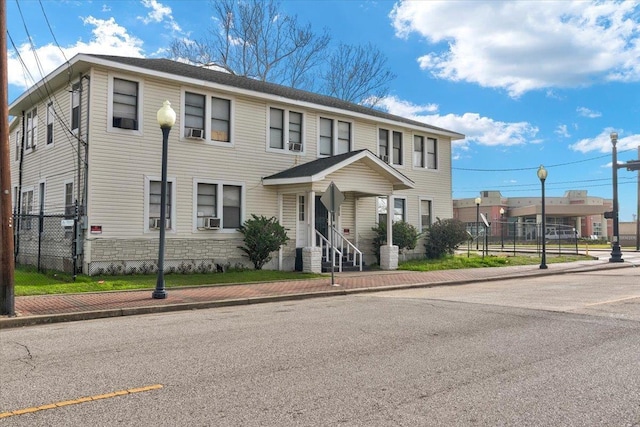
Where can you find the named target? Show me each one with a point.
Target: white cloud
(480, 130)
(159, 13)
(586, 112)
(525, 45)
(107, 38)
(602, 142)
(561, 130)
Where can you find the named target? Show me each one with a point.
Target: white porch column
(604, 227)
(579, 226)
(390, 219)
(311, 225)
(389, 252)
(281, 219)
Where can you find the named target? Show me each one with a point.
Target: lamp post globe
(542, 176)
(166, 119)
(478, 200)
(616, 253)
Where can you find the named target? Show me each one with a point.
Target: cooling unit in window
(194, 133)
(125, 123)
(211, 223)
(295, 146)
(384, 158)
(154, 223)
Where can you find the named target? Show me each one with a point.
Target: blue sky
(528, 82)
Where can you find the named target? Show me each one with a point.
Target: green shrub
(262, 236)
(444, 237)
(405, 236)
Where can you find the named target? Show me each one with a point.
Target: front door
(322, 218)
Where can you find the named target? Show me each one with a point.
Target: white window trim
(77, 82)
(51, 104)
(30, 148)
(25, 190)
(334, 142)
(285, 132)
(147, 182)
(406, 207)
(207, 117)
(425, 157)
(42, 198)
(64, 192)
(390, 131)
(420, 199)
(219, 206)
(140, 100)
(17, 146)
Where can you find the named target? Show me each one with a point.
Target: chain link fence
(44, 243)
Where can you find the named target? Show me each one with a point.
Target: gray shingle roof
(313, 167)
(200, 73)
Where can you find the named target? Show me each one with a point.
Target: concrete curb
(15, 322)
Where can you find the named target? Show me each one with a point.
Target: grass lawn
(30, 282)
(461, 261)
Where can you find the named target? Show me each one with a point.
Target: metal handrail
(341, 246)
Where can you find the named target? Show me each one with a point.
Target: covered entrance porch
(361, 177)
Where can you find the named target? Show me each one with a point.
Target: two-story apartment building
(86, 140)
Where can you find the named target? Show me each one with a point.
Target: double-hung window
(418, 151)
(425, 152)
(194, 114)
(397, 148)
(69, 203)
(27, 209)
(425, 214)
(334, 137)
(220, 119)
(75, 106)
(432, 153)
(18, 145)
(154, 196)
(285, 130)
(383, 145)
(31, 132)
(218, 205)
(207, 117)
(399, 210)
(50, 118)
(125, 104)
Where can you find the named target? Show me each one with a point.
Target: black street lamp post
(502, 228)
(542, 175)
(616, 253)
(477, 200)
(166, 119)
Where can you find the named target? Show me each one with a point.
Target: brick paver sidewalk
(103, 304)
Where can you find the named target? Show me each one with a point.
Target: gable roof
(181, 71)
(319, 169)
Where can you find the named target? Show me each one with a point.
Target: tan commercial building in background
(576, 212)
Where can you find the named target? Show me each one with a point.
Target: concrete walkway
(33, 310)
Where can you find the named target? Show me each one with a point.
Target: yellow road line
(79, 400)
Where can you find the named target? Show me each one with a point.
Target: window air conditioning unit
(384, 158)
(295, 146)
(195, 133)
(211, 223)
(154, 223)
(125, 123)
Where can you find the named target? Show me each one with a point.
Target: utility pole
(6, 226)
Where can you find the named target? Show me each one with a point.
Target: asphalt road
(551, 351)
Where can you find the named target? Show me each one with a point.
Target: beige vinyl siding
(56, 163)
(289, 222)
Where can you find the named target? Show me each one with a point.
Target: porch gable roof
(319, 169)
